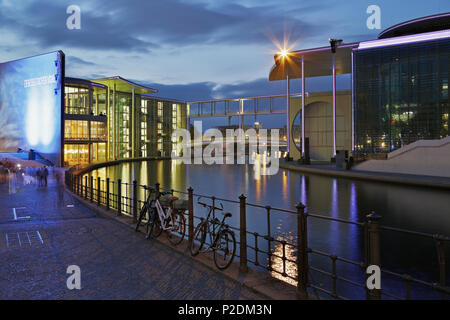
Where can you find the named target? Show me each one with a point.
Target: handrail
(291, 261)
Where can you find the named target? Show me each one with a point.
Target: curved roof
(420, 25)
(318, 62)
(125, 85)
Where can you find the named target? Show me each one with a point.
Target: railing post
(302, 255)
(243, 235)
(119, 197)
(99, 198)
(107, 194)
(269, 238)
(440, 245)
(85, 187)
(374, 249)
(191, 214)
(91, 187)
(77, 185)
(135, 202)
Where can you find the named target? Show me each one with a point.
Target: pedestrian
(45, 175)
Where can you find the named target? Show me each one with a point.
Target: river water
(414, 208)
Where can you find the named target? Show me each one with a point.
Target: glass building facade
(113, 119)
(401, 95)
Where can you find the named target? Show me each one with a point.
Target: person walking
(45, 175)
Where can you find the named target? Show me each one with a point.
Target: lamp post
(284, 54)
(334, 44)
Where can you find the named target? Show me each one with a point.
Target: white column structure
(288, 125)
(188, 120)
(303, 105)
(133, 130)
(353, 107)
(334, 104)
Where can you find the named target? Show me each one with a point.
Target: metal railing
(291, 262)
(275, 104)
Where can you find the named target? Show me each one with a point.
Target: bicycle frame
(214, 235)
(162, 215)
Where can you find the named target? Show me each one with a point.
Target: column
(303, 105)
(133, 130)
(353, 107)
(288, 126)
(334, 104)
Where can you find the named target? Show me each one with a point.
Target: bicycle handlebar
(209, 206)
(153, 189)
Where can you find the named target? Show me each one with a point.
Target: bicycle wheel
(199, 239)
(154, 228)
(225, 249)
(177, 230)
(141, 216)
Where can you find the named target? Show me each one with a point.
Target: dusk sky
(191, 50)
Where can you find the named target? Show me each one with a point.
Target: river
(414, 208)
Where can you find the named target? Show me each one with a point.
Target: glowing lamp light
(284, 53)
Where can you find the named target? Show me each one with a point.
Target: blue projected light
(30, 105)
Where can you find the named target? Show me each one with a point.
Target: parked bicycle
(163, 214)
(221, 238)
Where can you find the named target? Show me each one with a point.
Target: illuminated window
(76, 154)
(160, 109)
(76, 100)
(98, 130)
(76, 130)
(144, 107)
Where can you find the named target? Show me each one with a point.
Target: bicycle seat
(172, 198)
(227, 214)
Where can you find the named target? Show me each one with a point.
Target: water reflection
(281, 266)
(420, 209)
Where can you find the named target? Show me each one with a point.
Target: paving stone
(115, 262)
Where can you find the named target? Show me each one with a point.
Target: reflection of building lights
(277, 263)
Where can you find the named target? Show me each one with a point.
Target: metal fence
(291, 262)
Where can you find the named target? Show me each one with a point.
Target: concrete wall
(319, 123)
(423, 157)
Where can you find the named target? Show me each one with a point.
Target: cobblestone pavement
(44, 230)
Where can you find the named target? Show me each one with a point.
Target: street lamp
(284, 56)
(334, 43)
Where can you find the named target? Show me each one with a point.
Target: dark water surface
(419, 209)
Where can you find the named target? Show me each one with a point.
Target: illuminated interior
(110, 119)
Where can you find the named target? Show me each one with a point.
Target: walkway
(44, 230)
(331, 170)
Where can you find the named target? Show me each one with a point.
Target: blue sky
(191, 49)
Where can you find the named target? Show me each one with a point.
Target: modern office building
(113, 118)
(399, 92)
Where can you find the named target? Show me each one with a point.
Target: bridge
(239, 107)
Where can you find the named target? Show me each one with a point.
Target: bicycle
(162, 217)
(222, 243)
